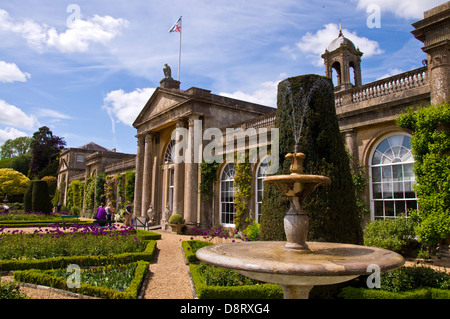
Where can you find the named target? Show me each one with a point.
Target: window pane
(377, 194)
(376, 174)
(389, 209)
(387, 191)
(387, 173)
(396, 140)
(379, 211)
(398, 190)
(376, 160)
(400, 208)
(397, 171)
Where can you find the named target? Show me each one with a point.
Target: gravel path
(169, 277)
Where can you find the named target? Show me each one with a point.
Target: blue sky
(85, 69)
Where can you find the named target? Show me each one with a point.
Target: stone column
(350, 140)
(178, 195)
(147, 175)
(433, 31)
(138, 175)
(191, 177)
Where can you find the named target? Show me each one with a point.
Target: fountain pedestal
(297, 265)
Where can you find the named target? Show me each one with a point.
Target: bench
(141, 222)
(101, 224)
(70, 217)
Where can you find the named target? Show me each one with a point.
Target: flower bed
(219, 283)
(57, 247)
(110, 282)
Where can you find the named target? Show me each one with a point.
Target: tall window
(227, 211)
(392, 178)
(169, 157)
(260, 174)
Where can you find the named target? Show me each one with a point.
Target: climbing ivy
(242, 193)
(208, 173)
(430, 145)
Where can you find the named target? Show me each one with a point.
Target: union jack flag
(177, 26)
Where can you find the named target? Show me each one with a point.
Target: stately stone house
(366, 114)
(80, 163)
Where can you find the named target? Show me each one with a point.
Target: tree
(12, 182)
(430, 145)
(45, 149)
(16, 147)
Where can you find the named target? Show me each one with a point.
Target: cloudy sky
(86, 68)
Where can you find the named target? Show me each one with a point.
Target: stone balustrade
(400, 82)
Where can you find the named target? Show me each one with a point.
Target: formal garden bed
(212, 282)
(107, 256)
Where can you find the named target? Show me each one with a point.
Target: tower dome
(340, 40)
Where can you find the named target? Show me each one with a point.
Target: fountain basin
(294, 271)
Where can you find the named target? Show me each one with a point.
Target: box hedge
(39, 277)
(419, 293)
(86, 260)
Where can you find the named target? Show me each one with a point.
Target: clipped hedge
(41, 278)
(190, 248)
(264, 291)
(45, 223)
(419, 293)
(87, 260)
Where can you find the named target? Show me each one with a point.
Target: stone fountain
(296, 264)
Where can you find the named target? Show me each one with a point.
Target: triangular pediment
(162, 100)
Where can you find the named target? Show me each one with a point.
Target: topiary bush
(40, 199)
(176, 219)
(333, 212)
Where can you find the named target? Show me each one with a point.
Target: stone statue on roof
(167, 71)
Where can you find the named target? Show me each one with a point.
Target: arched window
(261, 172)
(169, 155)
(392, 178)
(227, 211)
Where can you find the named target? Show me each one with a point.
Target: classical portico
(168, 177)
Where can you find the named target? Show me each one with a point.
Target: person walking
(101, 215)
(128, 214)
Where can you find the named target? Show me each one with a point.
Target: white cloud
(125, 107)
(77, 38)
(266, 94)
(314, 45)
(13, 116)
(10, 133)
(43, 112)
(390, 72)
(9, 72)
(82, 33)
(406, 9)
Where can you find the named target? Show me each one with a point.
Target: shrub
(252, 231)
(13, 182)
(204, 291)
(176, 219)
(75, 210)
(409, 278)
(40, 199)
(396, 234)
(10, 290)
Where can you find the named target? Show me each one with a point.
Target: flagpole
(179, 52)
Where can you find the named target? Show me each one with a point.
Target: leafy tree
(45, 149)
(12, 182)
(16, 147)
(430, 144)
